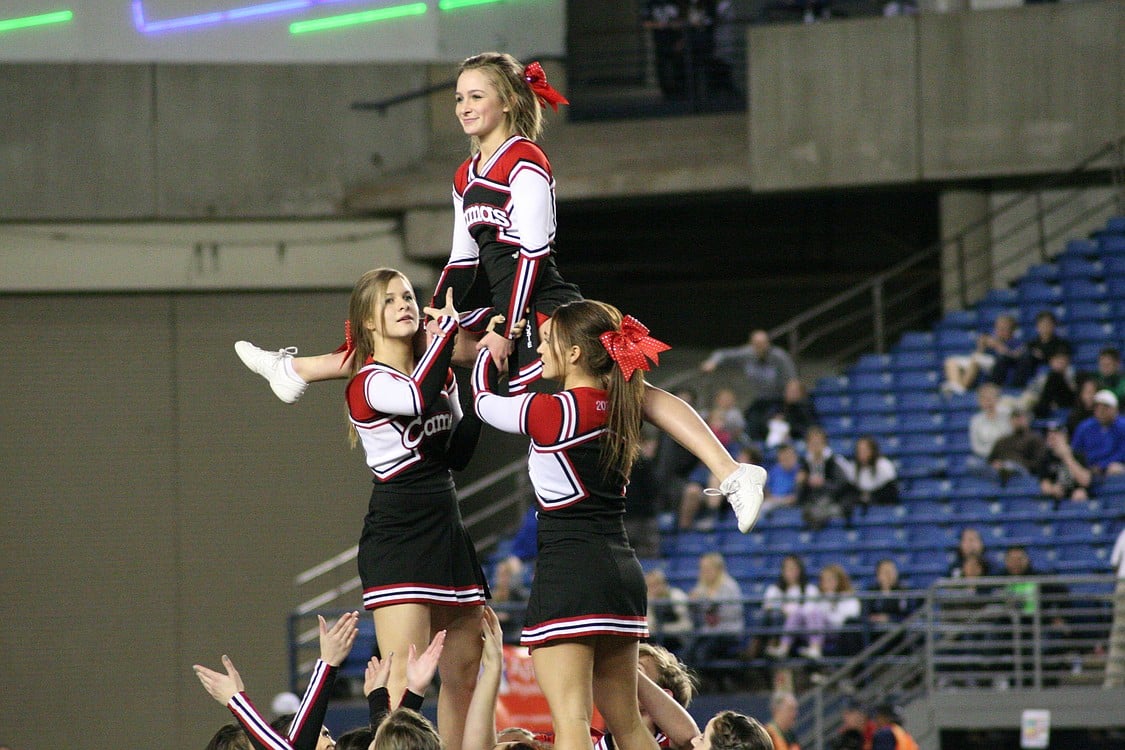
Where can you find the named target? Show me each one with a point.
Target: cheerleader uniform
(504, 225)
(587, 578)
(414, 547)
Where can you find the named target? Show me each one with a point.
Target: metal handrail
(837, 306)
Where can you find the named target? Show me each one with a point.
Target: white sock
(287, 364)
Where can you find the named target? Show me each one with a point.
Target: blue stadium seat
(960, 319)
(872, 363)
(831, 404)
(696, 542)
(1088, 310)
(835, 539)
(1025, 532)
(919, 401)
(876, 424)
(1115, 225)
(932, 536)
(1005, 296)
(1081, 558)
(1102, 333)
(838, 424)
(918, 467)
(1114, 266)
(975, 509)
(918, 359)
(956, 340)
(930, 562)
(1080, 248)
(1026, 508)
(1083, 289)
(1111, 244)
(1046, 272)
(1076, 267)
(1039, 293)
(878, 382)
(882, 537)
(929, 512)
(874, 403)
(916, 379)
(787, 540)
(916, 340)
(928, 489)
(881, 515)
(1115, 287)
(1020, 486)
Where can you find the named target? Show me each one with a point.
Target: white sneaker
(811, 652)
(272, 366)
(744, 490)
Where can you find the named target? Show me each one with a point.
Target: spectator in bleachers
(1044, 600)
(1040, 349)
(842, 613)
(1083, 407)
(1062, 475)
(889, 734)
(781, 482)
(1109, 376)
(525, 546)
(508, 591)
(819, 480)
(793, 419)
(788, 603)
(668, 616)
(663, 19)
(969, 545)
(727, 423)
(1052, 389)
(870, 478)
(855, 728)
(717, 598)
(783, 720)
(1100, 440)
(768, 368)
(642, 495)
(891, 605)
(995, 356)
(1115, 660)
(1018, 453)
(673, 462)
(989, 424)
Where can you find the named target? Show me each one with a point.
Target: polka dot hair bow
(631, 347)
(537, 81)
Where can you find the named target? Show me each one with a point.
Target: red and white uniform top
(567, 431)
(504, 219)
(404, 421)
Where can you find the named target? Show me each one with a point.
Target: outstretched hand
(434, 313)
(498, 346)
(377, 673)
(221, 687)
(492, 648)
(420, 669)
(336, 642)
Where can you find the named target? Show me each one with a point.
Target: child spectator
(870, 479)
(819, 480)
(781, 484)
(789, 604)
(970, 545)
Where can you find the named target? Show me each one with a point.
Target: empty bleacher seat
(916, 379)
(1111, 244)
(1078, 267)
(1045, 272)
(875, 381)
(914, 360)
(1082, 248)
(872, 363)
(916, 340)
(1083, 289)
(1087, 310)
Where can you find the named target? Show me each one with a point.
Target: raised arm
(335, 645)
(669, 716)
(227, 688)
(480, 721)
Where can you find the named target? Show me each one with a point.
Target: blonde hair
(524, 116)
(581, 323)
(843, 580)
(671, 673)
(404, 729)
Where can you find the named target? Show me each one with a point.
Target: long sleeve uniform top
(504, 225)
(304, 732)
(566, 431)
(411, 426)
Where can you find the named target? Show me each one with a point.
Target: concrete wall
(198, 141)
(935, 96)
(207, 31)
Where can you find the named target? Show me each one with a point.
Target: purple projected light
(220, 16)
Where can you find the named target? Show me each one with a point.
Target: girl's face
(554, 367)
(400, 311)
(829, 584)
(971, 543)
(791, 571)
(325, 741)
(479, 108)
(863, 451)
(887, 575)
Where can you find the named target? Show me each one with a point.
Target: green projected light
(352, 19)
(26, 22)
(455, 4)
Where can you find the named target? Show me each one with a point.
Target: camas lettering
(479, 213)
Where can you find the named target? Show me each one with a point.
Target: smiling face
(479, 109)
(396, 315)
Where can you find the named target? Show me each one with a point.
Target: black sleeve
(305, 732)
(412, 700)
(378, 706)
(433, 368)
(463, 442)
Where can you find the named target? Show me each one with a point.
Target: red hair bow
(546, 93)
(631, 347)
(348, 347)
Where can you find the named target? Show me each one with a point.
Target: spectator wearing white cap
(1101, 438)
